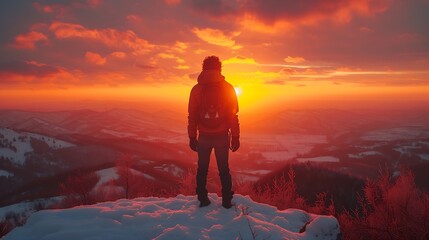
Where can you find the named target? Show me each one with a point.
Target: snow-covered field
(21, 144)
(28, 207)
(6, 174)
(392, 134)
(111, 174)
(364, 154)
(171, 168)
(176, 218)
(283, 147)
(106, 175)
(424, 156)
(319, 159)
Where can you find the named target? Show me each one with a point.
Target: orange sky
(286, 54)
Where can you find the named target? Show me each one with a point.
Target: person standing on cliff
(213, 124)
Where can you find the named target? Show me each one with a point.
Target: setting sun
(238, 91)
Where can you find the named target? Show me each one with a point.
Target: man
(212, 110)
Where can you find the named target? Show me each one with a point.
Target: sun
(238, 91)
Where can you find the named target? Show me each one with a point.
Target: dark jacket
(231, 120)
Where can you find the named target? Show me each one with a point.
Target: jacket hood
(210, 76)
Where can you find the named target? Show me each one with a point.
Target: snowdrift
(176, 218)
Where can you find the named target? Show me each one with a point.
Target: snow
(148, 176)
(319, 159)
(282, 147)
(106, 175)
(398, 133)
(146, 161)
(424, 156)
(279, 155)
(171, 168)
(6, 174)
(26, 208)
(21, 141)
(118, 134)
(175, 218)
(364, 154)
(138, 173)
(111, 174)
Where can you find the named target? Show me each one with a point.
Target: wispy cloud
(109, 36)
(217, 37)
(95, 58)
(29, 40)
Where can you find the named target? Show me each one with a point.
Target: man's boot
(226, 199)
(204, 202)
(202, 191)
(203, 198)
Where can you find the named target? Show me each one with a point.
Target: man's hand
(235, 143)
(193, 144)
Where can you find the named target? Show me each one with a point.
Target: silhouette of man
(212, 115)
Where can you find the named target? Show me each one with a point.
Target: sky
(281, 54)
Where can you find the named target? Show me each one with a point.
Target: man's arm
(234, 123)
(192, 114)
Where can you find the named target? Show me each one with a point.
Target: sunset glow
(238, 91)
(338, 54)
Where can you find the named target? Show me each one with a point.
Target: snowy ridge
(14, 145)
(176, 218)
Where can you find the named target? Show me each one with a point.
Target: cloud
(216, 37)
(214, 8)
(171, 56)
(33, 72)
(119, 55)
(95, 58)
(182, 67)
(32, 68)
(145, 66)
(180, 47)
(60, 8)
(109, 36)
(240, 60)
(172, 2)
(312, 11)
(290, 59)
(275, 82)
(134, 19)
(29, 40)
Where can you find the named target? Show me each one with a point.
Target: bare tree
(77, 188)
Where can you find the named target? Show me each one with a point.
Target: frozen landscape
(176, 218)
(40, 151)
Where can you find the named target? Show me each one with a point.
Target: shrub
(390, 209)
(78, 188)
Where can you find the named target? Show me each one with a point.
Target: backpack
(212, 105)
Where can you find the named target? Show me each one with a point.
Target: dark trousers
(220, 143)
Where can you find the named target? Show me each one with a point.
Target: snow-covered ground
(106, 175)
(171, 168)
(111, 174)
(118, 134)
(28, 207)
(364, 154)
(282, 147)
(21, 142)
(398, 133)
(176, 218)
(424, 156)
(319, 159)
(6, 174)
